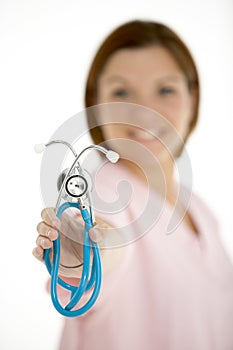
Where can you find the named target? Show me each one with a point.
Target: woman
(163, 291)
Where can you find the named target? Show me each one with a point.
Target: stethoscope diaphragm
(76, 186)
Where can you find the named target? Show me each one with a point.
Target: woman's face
(149, 77)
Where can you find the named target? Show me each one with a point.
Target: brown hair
(137, 34)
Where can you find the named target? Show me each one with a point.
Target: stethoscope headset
(74, 189)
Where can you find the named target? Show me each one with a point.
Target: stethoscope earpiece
(112, 156)
(39, 147)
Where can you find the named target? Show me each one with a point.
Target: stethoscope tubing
(85, 285)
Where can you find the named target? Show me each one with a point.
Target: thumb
(96, 234)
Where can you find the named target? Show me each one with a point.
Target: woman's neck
(161, 180)
(159, 177)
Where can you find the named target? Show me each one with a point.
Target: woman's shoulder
(202, 204)
(202, 209)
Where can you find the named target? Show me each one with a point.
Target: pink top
(171, 292)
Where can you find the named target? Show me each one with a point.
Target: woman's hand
(71, 237)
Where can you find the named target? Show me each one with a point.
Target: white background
(45, 51)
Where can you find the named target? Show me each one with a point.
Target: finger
(49, 216)
(47, 231)
(44, 242)
(96, 235)
(99, 231)
(38, 253)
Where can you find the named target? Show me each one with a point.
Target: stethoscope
(75, 190)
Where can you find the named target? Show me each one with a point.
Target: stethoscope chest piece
(76, 186)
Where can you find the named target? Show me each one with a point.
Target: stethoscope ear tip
(112, 156)
(39, 147)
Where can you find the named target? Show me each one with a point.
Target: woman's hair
(138, 34)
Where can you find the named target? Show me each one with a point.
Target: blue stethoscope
(75, 191)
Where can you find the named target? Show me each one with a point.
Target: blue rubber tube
(85, 283)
